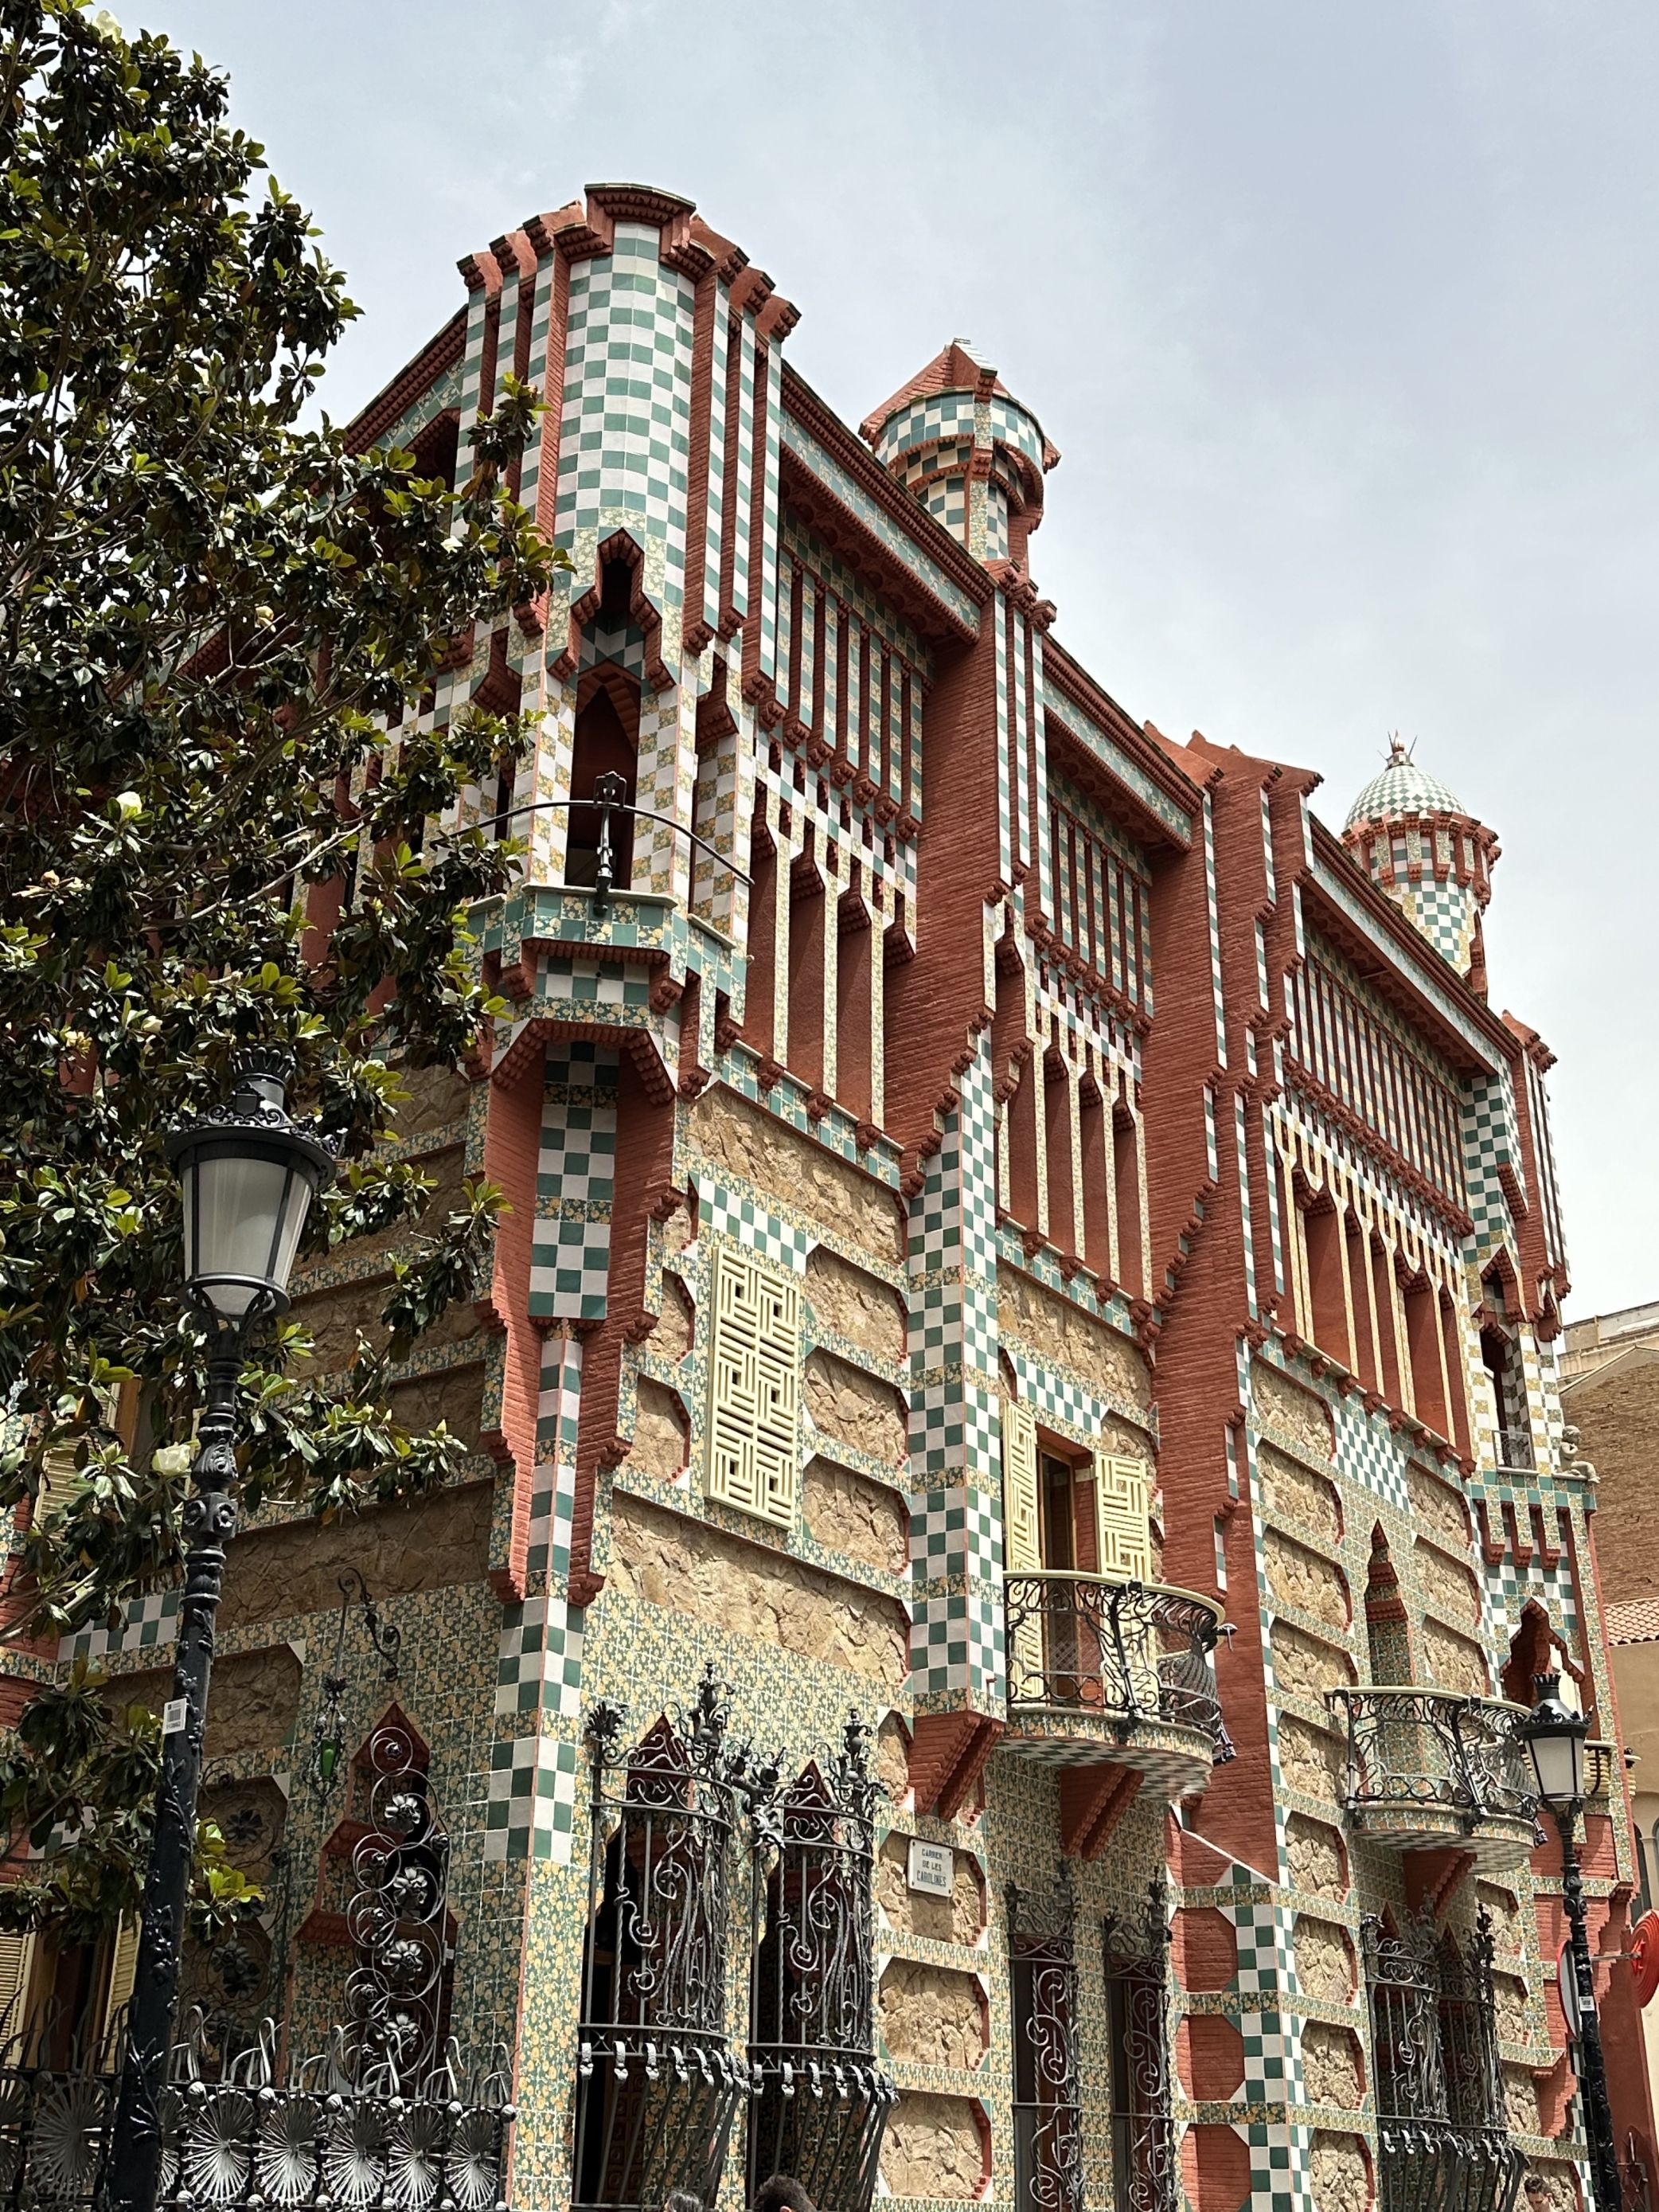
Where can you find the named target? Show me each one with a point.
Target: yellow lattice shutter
(754, 1386)
(1124, 1534)
(16, 1971)
(1022, 1539)
(1122, 1518)
(123, 1967)
(1022, 1547)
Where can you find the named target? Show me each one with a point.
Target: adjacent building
(1017, 1447)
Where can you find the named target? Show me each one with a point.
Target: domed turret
(1416, 841)
(960, 443)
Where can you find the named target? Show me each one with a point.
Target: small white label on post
(932, 1868)
(174, 1714)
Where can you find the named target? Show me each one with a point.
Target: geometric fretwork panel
(1122, 1508)
(754, 1385)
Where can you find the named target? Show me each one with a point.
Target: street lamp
(1554, 1737)
(248, 1173)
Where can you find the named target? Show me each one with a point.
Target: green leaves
(219, 811)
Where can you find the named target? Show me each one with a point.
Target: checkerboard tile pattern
(570, 1253)
(955, 1542)
(627, 404)
(533, 1759)
(148, 1623)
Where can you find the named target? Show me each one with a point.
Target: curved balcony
(1427, 1769)
(1114, 1674)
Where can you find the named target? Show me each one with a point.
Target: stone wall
(661, 1433)
(758, 1148)
(254, 1705)
(932, 2147)
(1312, 1762)
(1331, 2071)
(1296, 1414)
(1295, 1493)
(1439, 1509)
(932, 2015)
(1302, 1579)
(1064, 1333)
(855, 1304)
(1339, 2173)
(1305, 1664)
(1447, 1586)
(1325, 1964)
(957, 1918)
(1452, 1661)
(846, 1512)
(1318, 1864)
(855, 1409)
(729, 1583)
(274, 1574)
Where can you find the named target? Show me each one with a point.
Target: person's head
(681, 2200)
(1538, 2192)
(781, 2192)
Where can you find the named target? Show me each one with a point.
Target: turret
(1415, 840)
(963, 445)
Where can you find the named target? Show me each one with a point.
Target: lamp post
(1554, 1737)
(248, 1173)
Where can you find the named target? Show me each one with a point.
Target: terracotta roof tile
(1635, 1621)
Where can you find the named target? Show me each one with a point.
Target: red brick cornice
(1399, 979)
(438, 354)
(933, 537)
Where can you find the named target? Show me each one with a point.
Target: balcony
(1427, 1769)
(1114, 1674)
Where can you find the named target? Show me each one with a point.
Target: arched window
(1135, 1957)
(656, 2083)
(606, 744)
(1048, 2104)
(821, 2100)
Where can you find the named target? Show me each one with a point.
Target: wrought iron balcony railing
(1423, 1764)
(1130, 1652)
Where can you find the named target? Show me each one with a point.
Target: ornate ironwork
(329, 1734)
(1047, 2103)
(1133, 1652)
(821, 2100)
(1135, 1953)
(1460, 1755)
(657, 2084)
(1441, 2130)
(398, 1917)
(245, 2132)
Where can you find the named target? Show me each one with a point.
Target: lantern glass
(1554, 1738)
(245, 1200)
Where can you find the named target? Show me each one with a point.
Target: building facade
(1610, 1396)
(1016, 1447)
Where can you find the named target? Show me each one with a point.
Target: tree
(219, 626)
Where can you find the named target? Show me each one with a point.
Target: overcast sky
(1343, 319)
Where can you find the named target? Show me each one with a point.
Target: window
(1047, 2110)
(1434, 2050)
(1076, 1534)
(656, 2086)
(754, 1385)
(1135, 1955)
(821, 2101)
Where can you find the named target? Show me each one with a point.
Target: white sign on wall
(932, 1868)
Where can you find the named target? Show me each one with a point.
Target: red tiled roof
(1635, 1621)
